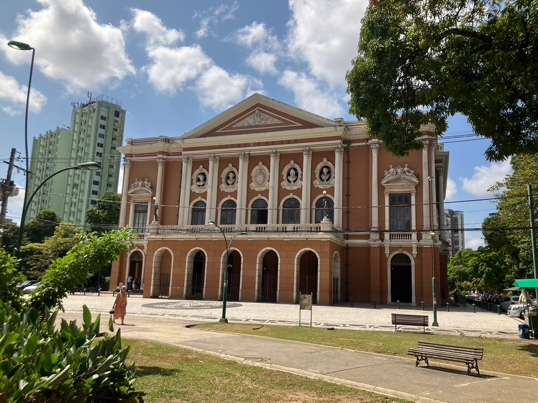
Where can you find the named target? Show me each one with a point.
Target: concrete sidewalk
(392, 376)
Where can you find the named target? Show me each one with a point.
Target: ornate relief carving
(199, 180)
(324, 174)
(257, 119)
(141, 190)
(229, 179)
(260, 178)
(292, 175)
(399, 179)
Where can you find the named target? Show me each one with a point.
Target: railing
(208, 229)
(400, 236)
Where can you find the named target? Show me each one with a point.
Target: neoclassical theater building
(279, 202)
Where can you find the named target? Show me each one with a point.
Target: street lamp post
(88, 166)
(227, 244)
(434, 282)
(24, 46)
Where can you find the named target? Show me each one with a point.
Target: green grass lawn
(172, 374)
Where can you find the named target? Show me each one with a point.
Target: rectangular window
(101, 135)
(140, 218)
(93, 202)
(117, 114)
(99, 154)
(95, 192)
(400, 212)
(102, 127)
(100, 145)
(110, 175)
(103, 117)
(96, 183)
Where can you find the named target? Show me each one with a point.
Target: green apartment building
(97, 128)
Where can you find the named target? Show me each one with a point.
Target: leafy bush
(41, 362)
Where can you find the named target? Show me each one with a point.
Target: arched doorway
(268, 286)
(234, 276)
(196, 277)
(162, 270)
(308, 275)
(136, 261)
(401, 279)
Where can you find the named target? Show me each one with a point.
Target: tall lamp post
(434, 281)
(24, 46)
(227, 244)
(87, 166)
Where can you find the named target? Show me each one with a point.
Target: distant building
(454, 231)
(97, 128)
(267, 202)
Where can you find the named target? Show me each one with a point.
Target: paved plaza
(170, 321)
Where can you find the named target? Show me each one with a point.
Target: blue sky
(176, 64)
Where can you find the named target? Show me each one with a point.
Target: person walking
(120, 305)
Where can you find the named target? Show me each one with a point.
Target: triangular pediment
(259, 114)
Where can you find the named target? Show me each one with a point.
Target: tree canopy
(42, 227)
(106, 214)
(421, 61)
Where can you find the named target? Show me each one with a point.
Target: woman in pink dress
(120, 305)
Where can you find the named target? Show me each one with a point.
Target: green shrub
(40, 361)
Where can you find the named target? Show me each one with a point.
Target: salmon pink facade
(281, 202)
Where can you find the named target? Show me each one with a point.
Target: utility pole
(7, 187)
(533, 235)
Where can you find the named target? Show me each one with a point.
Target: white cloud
(252, 35)
(151, 25)
(218, 90)
(71, 46)
(172, 68)
(309, 97)
(325, 34)
(486, 176)
(474, 243)
(213, 16)
(263, 63)
(15, 95)
(451, 190)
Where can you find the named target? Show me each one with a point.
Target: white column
(124, 190)
(242, 190)
(425, 187)
(338, 186)
(160, 180)
(185, 192)
(212, 184)
(272, 217)
(386, 232)
(413, 215)
(441, 200)
(307, 186)
(375, 186)
(182, 192)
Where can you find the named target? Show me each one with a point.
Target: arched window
(258, 212)
(198, 213)
(291, 211)
(324, 207)
(227, 212)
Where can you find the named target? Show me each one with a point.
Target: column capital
(307, 152)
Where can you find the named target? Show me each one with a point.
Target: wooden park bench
(467, 355)
(409, 320)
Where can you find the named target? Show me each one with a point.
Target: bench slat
(409, 320)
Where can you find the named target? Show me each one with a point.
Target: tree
(10, 234)
(106, 214)
(509, 230)
(42, 227)
(88, 256)
(37, 257)
(421, 61)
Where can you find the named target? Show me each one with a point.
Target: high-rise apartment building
(454, 231)
(97, 128)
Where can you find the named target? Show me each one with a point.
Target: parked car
(516, 310)
(27, 283)
(513, 300)
(31, 288)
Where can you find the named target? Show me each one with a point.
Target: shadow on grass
(531, 349)
(148, 371)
